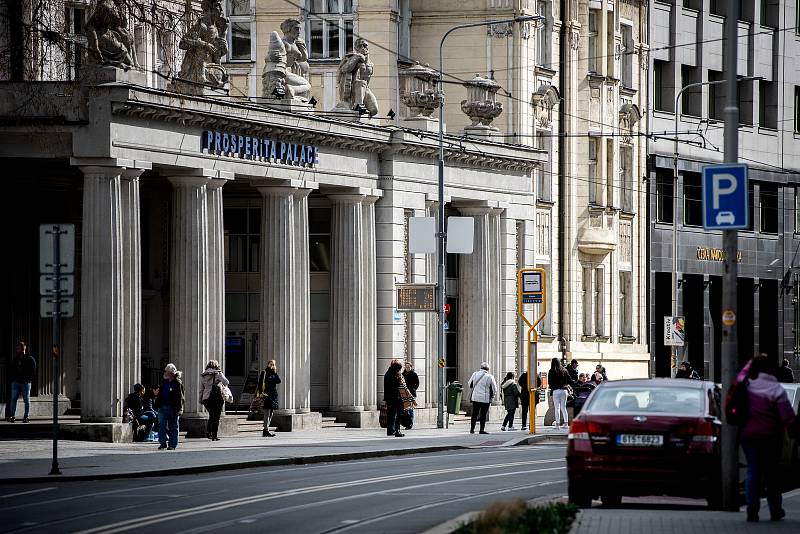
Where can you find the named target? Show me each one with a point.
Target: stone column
(349, 349)
(285, 302)
(189, 334)
(474, 302)
(216, 272)
(370, 304)
(495, 355)
(103, 302)
(132, 277)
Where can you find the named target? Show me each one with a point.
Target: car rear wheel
(611, 500)
(579, 498)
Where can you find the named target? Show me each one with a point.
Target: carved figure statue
(285, 73)
(205, 45)
(353, 76)
(108, 39)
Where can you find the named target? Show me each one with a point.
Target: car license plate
(640, 440)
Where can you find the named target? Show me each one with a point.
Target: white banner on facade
(674, 330)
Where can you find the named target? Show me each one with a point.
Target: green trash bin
(454, 392)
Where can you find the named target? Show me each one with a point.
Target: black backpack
(737, 403)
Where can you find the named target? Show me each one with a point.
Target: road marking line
(137, 523)
(25, 493)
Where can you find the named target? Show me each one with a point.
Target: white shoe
(555, 425)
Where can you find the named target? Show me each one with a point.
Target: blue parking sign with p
(725, 197)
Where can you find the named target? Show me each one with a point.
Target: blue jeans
(168, 422)
(147, 418)
(16, 389)
(763, 456)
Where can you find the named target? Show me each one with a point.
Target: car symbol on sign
(725, 217)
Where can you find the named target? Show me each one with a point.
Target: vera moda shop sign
(715, 254)
(259, 149)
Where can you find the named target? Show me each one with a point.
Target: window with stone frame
(595, 185)
(626, 178)
(544, 174)
(625, 304)
(544, 29)
(586, 301)
(329, 28)
(599, 301)
(628, 56)
(74, 37)
(593, 32)
(240, 37)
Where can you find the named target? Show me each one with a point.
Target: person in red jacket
(770, 413)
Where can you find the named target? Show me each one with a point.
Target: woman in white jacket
(211, 396)
(484, 388)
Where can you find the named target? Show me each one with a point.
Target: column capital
(473, 211)
(277, 191)
(189, 180)
(347, 198)
(131, 173)
(217, 183)
(98, 171)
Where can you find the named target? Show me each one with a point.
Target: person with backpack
(211, 396)
(762, 415)
(511, 393)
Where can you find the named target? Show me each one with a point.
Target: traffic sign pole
(729, 447)
(54, 470)
(530, 290)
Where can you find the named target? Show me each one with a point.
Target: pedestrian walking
(484, 388)
(268, 381)
(558, 380)
(511, 393)
(411, 379)
(392, 383)
(21, 374)
(761, 437)
(524, 398)
(170, 407)
(211, 382)
(135, 402)
(785, 373)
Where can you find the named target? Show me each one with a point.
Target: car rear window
(648, 400)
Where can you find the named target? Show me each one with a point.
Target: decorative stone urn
(481, 105)
(418, 92)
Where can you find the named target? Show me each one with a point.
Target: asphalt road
(395, 494)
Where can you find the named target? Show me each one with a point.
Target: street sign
(674, 331)
(66, 244)
(532, 282)
(460, 235)
(422, 235)
(416, 297)
(47, 284)
(47, 307)
(725, 197)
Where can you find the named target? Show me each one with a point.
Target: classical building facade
(687, 46)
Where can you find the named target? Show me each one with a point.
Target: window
(242, 239)
(665, 193)
(586, 299)
(319, 237)
(612, 187)
(745, 97)
(625, 304)
(716, 96)
(329, 28)
(797, 210)
(403, 30)
(599, 301)
(692, 199)
(691, 99)
(627, 56)
(697, 5)
(74, 38)
(543, 32)
(544, 174)
(796, 109)
(768, 104)
(240, 37)
(769, 13)
(663, 81)
(595, 191)
(626, 177)
(768, 202)
(591, 53)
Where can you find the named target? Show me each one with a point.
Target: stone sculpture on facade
(109, 40)
(481, 105)
(418, 91)
(352, 78)
(205, 45)
(285, 73)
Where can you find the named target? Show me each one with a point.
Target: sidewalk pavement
(683, 516)
(30, 460)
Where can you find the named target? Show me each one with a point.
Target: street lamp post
(442, 234)
(674, 356)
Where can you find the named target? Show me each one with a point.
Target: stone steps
(330, 422)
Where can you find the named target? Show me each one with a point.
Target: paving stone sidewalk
(30, 460)
(665, 518)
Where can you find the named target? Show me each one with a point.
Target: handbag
(257, 404)
(383, 419)
(227, 396)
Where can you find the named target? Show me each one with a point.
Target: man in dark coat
(391, 394)
(572, 369)
(524, 398)
(784, 373)
(22, 372)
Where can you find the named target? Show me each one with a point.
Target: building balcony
(598, 235)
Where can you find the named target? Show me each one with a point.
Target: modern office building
(687, 48)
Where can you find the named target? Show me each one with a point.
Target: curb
(272, 462)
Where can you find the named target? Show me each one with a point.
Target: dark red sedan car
(655, 436)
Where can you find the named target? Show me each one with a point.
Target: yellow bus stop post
(532, 343)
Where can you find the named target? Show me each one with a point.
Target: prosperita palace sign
(259, 149)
